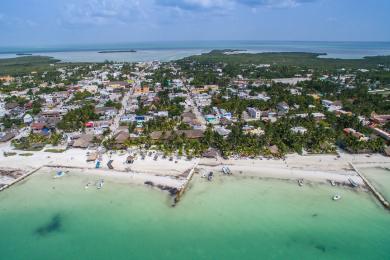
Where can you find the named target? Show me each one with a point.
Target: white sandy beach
(316, 168)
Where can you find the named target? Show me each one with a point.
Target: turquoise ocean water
(380, 178)
(229, 218)
(165, 51)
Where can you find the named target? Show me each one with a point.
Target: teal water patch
(380, 178)
(54, 225)
(229, 218)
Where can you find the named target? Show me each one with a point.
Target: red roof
(89, 124)
(37, 126)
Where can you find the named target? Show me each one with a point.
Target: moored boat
(210, 176)
(100, 184)
(226, 170)
(353, 183)
(336, 197)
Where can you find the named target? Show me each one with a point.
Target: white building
(254, 113)
(298, 130)
(28, 119)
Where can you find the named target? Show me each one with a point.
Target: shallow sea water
(229, 218)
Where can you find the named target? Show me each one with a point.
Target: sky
(62, 22)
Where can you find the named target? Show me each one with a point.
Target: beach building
(211, 153)
(84, 141)
(120, 138)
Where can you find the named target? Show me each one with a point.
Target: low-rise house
(341, 112)
(317, 116)
(141, 90)
(222, 131)
(385, 135)
(162, 114)
(282, 107)
(250, 130)
(37, 127)
(261, 97)
(298, 130)
(106, 111)
(188, 117)
(254, 113)
(291, 81)
(358, 135)
(118, 85)
(332, 105)
(380, 119)
(102, 124)
(28, 119)
(11, 105)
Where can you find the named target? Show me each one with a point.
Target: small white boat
(333, 183)
(336, 197)
(210, 176)
(226, 170)
(59, 174)
(300, 182)
(353, 183)
(100, 184)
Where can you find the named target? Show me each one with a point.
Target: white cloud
(102, 11)
(209, 3)
(277, 3)
(226, 4)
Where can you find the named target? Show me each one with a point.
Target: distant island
(117, 51)
(23, 54)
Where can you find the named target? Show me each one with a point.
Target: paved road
(197, 113)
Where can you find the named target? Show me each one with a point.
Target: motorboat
(333, 183)
(59, 174)
(226, 170)
(100, 184)
(353, 183)
(210, 176)
(336, 197)
(300, 182)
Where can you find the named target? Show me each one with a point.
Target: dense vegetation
(75, 119)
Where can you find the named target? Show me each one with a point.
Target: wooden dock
(376, 193)
(182, 190)
(20, 179)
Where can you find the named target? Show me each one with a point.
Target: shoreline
(169, 174)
